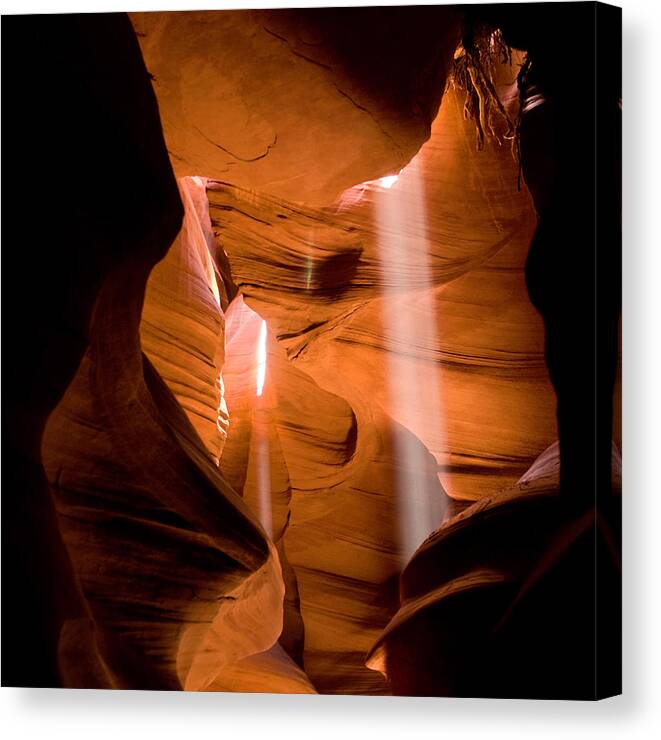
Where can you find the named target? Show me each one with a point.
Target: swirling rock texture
(153, 573)
(501, 600)
(329, 281)
(321, 280)
(171, 561)
(182, 324)
(328, 285)
(270, 384)
(125, 223)
(174, 566)
(324, 470)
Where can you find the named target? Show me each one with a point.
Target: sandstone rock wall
(112, 209)
(501, 599)
(171, 561)
(274, 100)
(182, 325)
(330, 465)
(465, 406)
(334, 288)
(209, 533)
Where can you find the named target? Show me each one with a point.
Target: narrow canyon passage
(307, 440)
(336, 357)
(354, 295)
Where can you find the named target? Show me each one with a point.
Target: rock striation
(122, 224)
(494, 603)
(328, 281)
(333, 285)
(326, 467)
(147, 563)
(166, 552)
(182, 325)
(296, 432)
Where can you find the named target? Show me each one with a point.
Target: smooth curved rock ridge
(182, 326)
(495, 405)
(273, 101)
(319, 278)
(254, 462)
(321, 262)
(494, 602)
(177, 570)
(345, 544)
(545, 471)
(248, 622)
(271, 672)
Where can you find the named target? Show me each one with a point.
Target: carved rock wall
(122, 223)
(495, 601)
(274, 100)
(180, 578)
(333, 284)
(326, 466)
(182, 325)
(258, 545)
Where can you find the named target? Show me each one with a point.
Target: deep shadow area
(88, 184)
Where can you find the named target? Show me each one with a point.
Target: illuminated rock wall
(214, 533)
(180, 579)
(182, 326)
(329, 289)
(465, 406)
(327, 466)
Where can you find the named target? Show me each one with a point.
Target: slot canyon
(279, 412)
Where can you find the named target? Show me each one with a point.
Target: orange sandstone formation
(274, 100)
(297, 433)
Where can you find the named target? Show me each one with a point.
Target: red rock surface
(212, 532)
(182, 326)
(500, 598)
(333, 504)
(113, 231)
(364, 451)
(171, 561)
(330, 283)
(274, 100)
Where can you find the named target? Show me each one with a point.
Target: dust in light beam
(261, 358)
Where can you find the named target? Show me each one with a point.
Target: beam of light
(261, 358)
(263, 473)
(353, 196)
(410, 334)
(260, 439)
(388, 181)
(246, 353)
(309, 268)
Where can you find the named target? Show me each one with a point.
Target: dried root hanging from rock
(474, 73)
